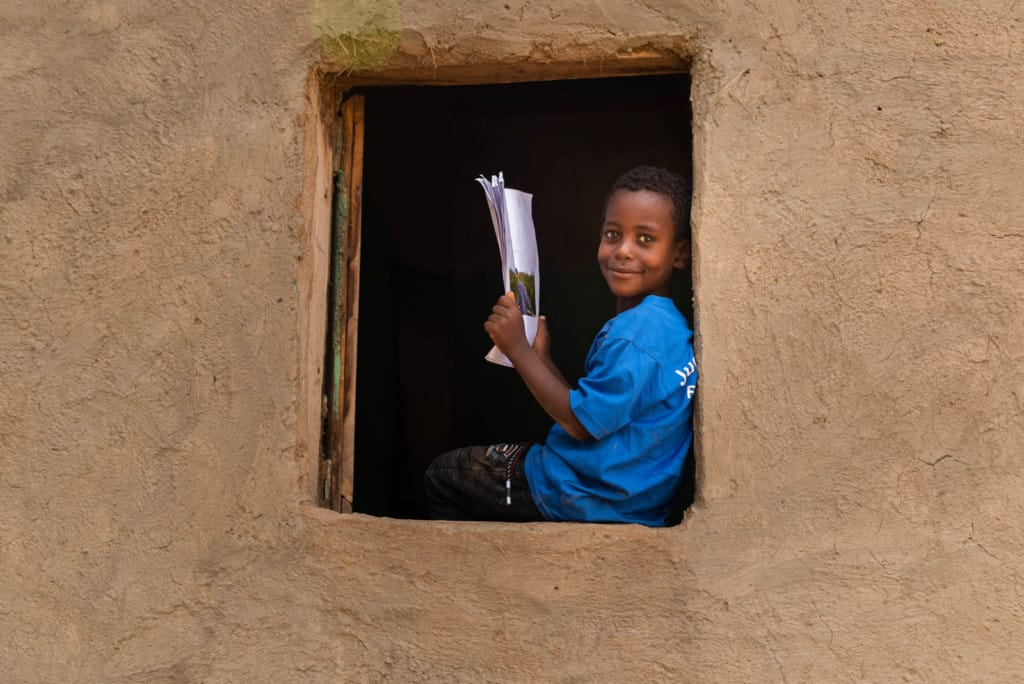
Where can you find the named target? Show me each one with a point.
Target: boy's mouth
(620, 271)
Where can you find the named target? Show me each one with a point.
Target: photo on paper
(522, 284)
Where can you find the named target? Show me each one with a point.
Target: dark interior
(430, 269)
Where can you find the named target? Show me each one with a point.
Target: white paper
(512, 216)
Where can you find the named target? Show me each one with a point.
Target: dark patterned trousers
(481, 483)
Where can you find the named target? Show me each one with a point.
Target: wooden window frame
(338, 467)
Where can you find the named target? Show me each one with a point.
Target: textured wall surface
(861, 315)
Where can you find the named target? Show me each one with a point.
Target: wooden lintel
(408, 72)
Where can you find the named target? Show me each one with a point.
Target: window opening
(421, 269)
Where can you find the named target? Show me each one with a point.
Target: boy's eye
(610, 235)
(646, 239)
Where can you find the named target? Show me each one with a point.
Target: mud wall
(859, 302)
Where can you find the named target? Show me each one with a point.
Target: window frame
(332, 289)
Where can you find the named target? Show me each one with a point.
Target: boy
(616, 451)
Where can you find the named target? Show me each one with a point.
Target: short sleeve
(613, 392)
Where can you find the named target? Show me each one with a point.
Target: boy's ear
(682, 254)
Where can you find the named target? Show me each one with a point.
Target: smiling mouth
(622, 272)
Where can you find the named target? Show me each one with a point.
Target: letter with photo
(512, 216)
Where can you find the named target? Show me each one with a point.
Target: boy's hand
(542, 342)
(505, 326)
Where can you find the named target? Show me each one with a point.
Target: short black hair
(663, 182)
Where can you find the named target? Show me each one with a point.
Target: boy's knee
(437, 473)
(430, 475)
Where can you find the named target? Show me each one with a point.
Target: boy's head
(661, 182)
(645, 234)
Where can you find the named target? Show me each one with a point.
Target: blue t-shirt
(636, 402)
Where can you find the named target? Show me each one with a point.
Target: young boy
(616, 451)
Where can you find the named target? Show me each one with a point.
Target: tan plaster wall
(860, 288)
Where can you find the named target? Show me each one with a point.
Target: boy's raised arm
(534, 364)
(542, 345)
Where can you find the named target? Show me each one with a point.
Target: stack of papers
(512, 215)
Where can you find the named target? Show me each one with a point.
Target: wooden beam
(343, 350)
(353, 116)
(314, 274)
(403, 70)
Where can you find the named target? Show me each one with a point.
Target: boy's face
(639, 250)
